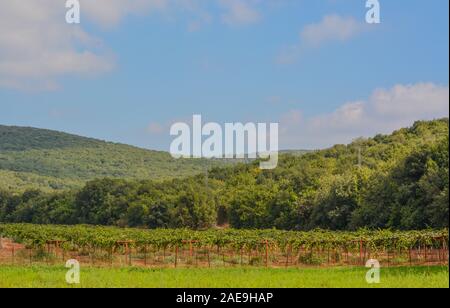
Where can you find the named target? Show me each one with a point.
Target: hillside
(48, 160)
(397, 181)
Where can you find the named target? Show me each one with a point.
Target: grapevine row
(107, 237)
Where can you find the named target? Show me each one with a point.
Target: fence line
(193, 254)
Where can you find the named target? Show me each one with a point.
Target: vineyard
(108, 246)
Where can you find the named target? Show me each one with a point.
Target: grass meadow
(91, 277)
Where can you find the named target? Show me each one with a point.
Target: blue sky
(131, 68)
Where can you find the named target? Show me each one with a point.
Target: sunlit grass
(54, 276)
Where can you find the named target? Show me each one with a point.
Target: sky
(132, 68)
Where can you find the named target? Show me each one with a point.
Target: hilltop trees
(401, 182)
(413, 195)
(33, 158)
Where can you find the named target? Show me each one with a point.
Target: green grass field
(54, 277)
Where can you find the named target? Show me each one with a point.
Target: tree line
(397, 181)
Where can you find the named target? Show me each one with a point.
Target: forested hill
(398, 181)
(49, 160)
(14, 138)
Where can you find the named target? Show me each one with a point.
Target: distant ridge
(49, 160)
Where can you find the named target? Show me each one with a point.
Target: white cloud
(37, 46)
(109, 13)
(384, 111)
(332, 28)
(423, 100)
(239, 12)
(233, 12)
(155, 128)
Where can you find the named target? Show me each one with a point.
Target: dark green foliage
(49, 160)
(402, 182)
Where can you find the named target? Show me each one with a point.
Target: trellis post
(176, 256)
(361, 252)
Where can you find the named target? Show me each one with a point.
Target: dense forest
(398, 181)
(32, 158)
